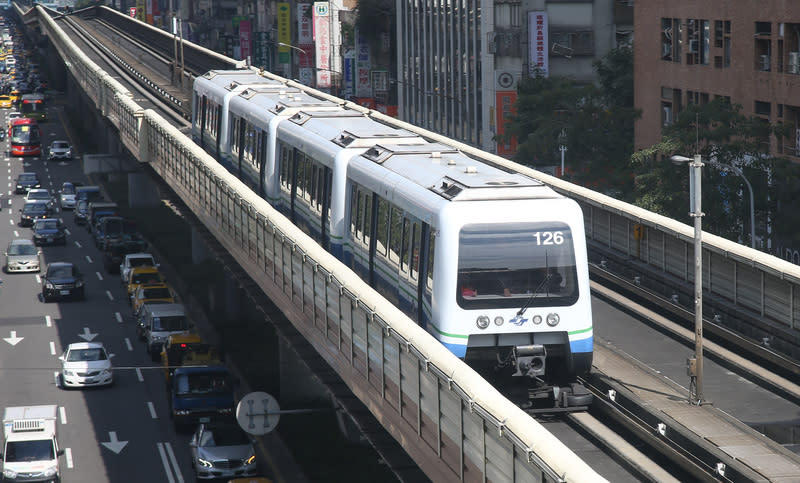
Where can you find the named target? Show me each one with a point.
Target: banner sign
(284, 33)
(505, 109)
(322, 41)
(538, 53)
(245, 40)
(305, 34)
(363, 84)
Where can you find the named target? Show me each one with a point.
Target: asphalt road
(121, 433)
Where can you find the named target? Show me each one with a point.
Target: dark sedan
(49, 231)
(32, 210)
(81, 211)
(25, 182)
(62, 279)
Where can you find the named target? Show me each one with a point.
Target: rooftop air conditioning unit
(794, 63)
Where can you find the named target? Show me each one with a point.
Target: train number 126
(549, 237)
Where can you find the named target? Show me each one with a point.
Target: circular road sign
(258, 413)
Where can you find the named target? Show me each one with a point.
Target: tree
(594, 123)
(723, 136)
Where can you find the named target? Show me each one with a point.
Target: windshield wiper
(534, 294)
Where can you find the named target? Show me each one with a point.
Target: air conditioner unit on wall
(763, 63)
(794, 63)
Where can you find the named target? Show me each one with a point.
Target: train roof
(221, 82)
(349, 129)
(451, 174)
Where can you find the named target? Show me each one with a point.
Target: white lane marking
(88, 259)
(38, 278)
(12, 222)
(139, 375)
(128, 343)
(55, 376)
(118, 316)
(16, 234)
(68, 456)
(48, 320)
(178, 474)
(152, 410)
(78, 244)
(63, 413)
(165, 462)
(52, 348)
(99, 276)
(108, 293)
(66, 230)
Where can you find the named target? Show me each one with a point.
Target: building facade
(691, 52)
(459, 61)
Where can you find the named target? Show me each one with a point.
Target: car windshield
(38, 195)
(197, 384)
(141, 262)
(60, 145)
(20, 249)
(171, 323)
(94, 354)
(516, 265)
(37, 450)
(224, 436)
(68, 189)
(45, 225)
(61, 271)
(142, 278)
(34, 208)
(156, 293)
(27, 177)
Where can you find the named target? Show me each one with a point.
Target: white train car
(493, 264)
(212, 94)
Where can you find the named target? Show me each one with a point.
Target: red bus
(25, 137)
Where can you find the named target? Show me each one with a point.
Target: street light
(738, 171)
(695, 366)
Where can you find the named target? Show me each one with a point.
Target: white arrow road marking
(13, 339)
(48, 320)
(114, 444)
(152, 410)
(52, 348)
(128, 343)
(63, 413)
(87, 336)
(68, 457)
(118, 316)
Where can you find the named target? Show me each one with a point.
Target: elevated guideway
(450, 421)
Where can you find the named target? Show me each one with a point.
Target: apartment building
(690, 52)
(459, 62)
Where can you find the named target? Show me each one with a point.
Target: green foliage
(595, 124)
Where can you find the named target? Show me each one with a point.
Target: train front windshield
(515, 265)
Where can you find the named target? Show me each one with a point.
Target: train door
(327, 180)
(241, 133)
(262, 163)
(201, 115)
(217, 137)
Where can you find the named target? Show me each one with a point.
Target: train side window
(353, 210)
(382, 231)
(286, 167)
(415, 238)
(359, 214)
(395, 235)
(309, 174)
(406, 237)
(431, 258)
(367, 216)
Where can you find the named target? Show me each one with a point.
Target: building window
(722, 40)
(763, 46)
(763, 108)
(569, 43)
(670, 39)
(698, 32)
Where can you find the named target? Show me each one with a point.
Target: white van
(11, 62)
(31, 445)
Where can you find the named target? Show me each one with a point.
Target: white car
(86, 364)
(22, 256)
(133, 260)
(66, 196)
(60, 150)
(42, 194)
(12, 116)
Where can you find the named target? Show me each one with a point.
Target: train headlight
(482, 322)
(537, 319)
(498, 320)
(553, 319)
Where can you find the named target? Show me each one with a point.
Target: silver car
(222, 451)
(23, 256)
(66, 196)
(60, 150)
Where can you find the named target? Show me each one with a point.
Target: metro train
(490, 262)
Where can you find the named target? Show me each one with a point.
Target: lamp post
(695, 366)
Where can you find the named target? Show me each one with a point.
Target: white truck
(30, 450)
